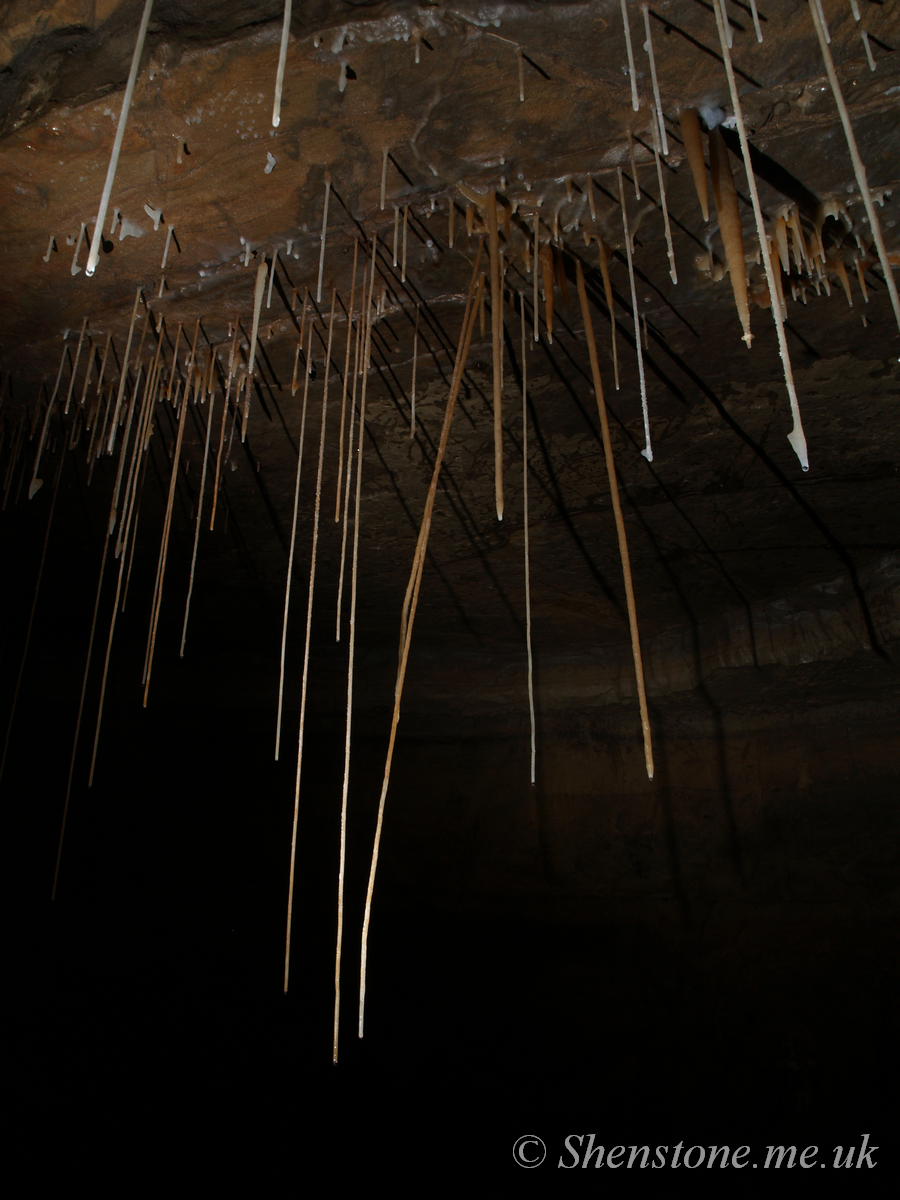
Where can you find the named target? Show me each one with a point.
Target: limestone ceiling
(722, 516)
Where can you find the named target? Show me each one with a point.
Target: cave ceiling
(723, 518)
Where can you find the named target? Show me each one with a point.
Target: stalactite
(167, 524)
(729, 218)
(412, 402)
(94, 254)
(411, 601)
(647, 452)
(337, 490)
(309, 610)
(282, 59)
(290, 566)
(37, 590)
(689, 124)
(324, 233)
(350, 664)
(123, 376)
(858, 169)
(796, 436)
(673, 273)
(620, 523)
(497, 346)
(527, 544)
(607, 291)
(648, 46)
(632, 74)
(187, 603)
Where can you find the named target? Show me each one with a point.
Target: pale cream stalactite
(87, 668)
(403, 260)
(218, 475)
(75, 367)
(384, 161)
(497, 346)
(35, 482)
(121, 544)
(209, 421)
(94, 254)
(360, 334)
(324, 235)
(412, 402)
(647, 452)
(607, 291)
(350, 662)
(411, 601)
(632, 74)
(340, 471)
(648, 46)
(290, 566)
(282, 59)
(258, 294)
(162, 265)
(167, 524)
(634, 171)
(859, 169)
(309, 608)
(527, 545)
(755, 15)
(103, 362)
(620, 523)
(796, 436)
(673, 273)
(535, 259)
(115, 418)
(272, 277)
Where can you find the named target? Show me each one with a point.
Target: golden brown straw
(412, 402)
(337, 497)
(37, 588)
(290, 568)
(115, 418)
(75, 366)
(527, 547)
(120, 545)
(352, 648)
(209, 421)
(356, 356)
(617, 511)
(324, 235)
(729, 217)
(87, 667)
(693, 144)
(167, 524)
(535, 265)
(309, 608)
(607, 290)
(497, 346)
(410, 604)
(403, 261)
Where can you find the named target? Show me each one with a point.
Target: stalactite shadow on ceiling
(339, 203)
